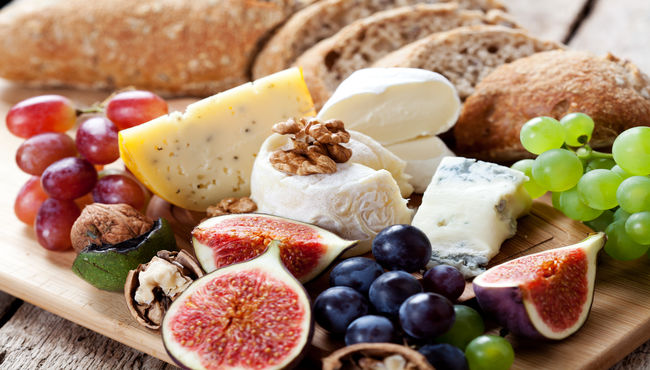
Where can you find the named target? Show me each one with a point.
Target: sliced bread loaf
(323, 19)
(365, 41)
(612, 91)
(467, 54)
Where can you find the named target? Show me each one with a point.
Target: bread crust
(554, 83)
(173, 47)
(323, 19)
(361, 43)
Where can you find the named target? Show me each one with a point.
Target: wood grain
(547, 19)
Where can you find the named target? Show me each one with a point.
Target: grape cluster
(609, 192)
(368, 304)
(64, 170)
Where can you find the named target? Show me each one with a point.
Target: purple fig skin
(506, 305)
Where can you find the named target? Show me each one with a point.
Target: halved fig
(543, 295)
(249, 315)
(306, 250)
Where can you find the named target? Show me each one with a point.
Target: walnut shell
(350, 356)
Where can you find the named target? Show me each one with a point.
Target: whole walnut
(108, 224)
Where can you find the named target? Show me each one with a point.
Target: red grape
(97, 140)
(45, 113)
(112, 189)
(69, 178)
(131, 108)
(39, 151)
(29, 200)
(54, 222)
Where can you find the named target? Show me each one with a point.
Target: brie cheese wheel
(394, 104)
(355, 202)
(422, 156)
(468, 210)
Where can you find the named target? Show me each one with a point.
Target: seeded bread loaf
(466, 54)
(174, 47)
(365, 41)
(323, 19)
(553, 83)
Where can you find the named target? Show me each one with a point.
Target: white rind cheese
(355, 202)
(394, 104)
(422, 156)
(468, 210)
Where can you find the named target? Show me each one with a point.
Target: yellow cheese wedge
(196, 158)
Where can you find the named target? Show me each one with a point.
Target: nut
(152, 287)
(315, 147)
(232, 205)
(368, 356)
(108, 224)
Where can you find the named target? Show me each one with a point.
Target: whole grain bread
(367, 40)
(174, 47)
(612, 91)
(323, 19)
(467, 54)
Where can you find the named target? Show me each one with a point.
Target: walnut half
(232, 205)
(316, 146)
(376, 356)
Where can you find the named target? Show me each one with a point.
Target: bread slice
(174, 47)
(553, 83)
(466, 54)
(323, 19)
(365, 41)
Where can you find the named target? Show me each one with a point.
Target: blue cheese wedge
(468, 210)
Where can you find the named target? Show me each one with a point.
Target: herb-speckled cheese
(469, 209)
(196, 158)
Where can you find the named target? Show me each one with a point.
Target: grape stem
(90, 110)
(587, 153)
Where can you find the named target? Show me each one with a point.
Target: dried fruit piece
(248, 315)
(543, 295)
(306, 249)
(151, 288)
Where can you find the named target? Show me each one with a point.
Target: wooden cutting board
(619, 321)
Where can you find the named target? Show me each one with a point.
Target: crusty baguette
(323, 19)
(174, 47)
(365, 41)
(553, 83)
(467, 54)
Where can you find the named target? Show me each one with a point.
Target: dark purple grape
(357, 273)
(97, 140)
(445, 280)
(402, 247)
(444, 357)
(370, 329)
(39, 151)
(53, 223)
(392, 288)
(337, 307)
(426, 315)
(69, 178)
(113, 189)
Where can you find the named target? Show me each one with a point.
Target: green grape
(467, 326)
(557, 170)
(620, 246)
(578, 128)
(555, 199)
(570, 203)
(634, 194)
(631, 150)
(541, 134)
(621, 172)
(620, 215)
(597, 189)
(601, 222)
(600, 163)
(489, 352)
(637, 227)
(532, 187)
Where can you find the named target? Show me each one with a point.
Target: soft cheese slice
(469, 209)
(394, 104)
(196, 158)
(355, 202)
(422, 156)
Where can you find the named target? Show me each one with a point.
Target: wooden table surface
(31, 338)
